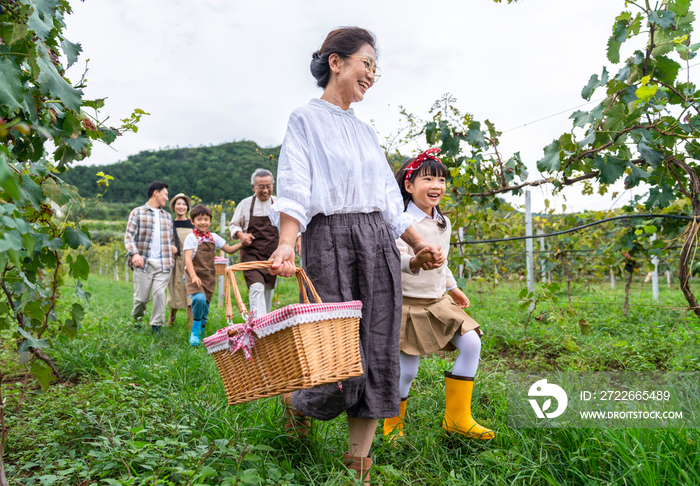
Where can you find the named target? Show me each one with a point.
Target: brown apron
(264, 245)
(203, 263)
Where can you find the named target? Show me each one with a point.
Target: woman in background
(177, 293)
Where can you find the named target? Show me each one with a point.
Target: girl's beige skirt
(427, 325)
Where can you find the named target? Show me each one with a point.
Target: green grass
(142, 409)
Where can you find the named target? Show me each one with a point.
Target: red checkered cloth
(288, 316)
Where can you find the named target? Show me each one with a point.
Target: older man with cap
(251, 224)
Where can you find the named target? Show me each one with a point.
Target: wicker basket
(220, 265)
(298, 346)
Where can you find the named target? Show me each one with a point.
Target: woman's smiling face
(180, 208)
(353, 78)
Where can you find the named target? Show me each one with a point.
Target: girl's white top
(431, 284)
(332, 163)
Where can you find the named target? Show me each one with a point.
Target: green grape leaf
(28, 242)
(11, 33)
(450, 146)
(11, 93)
(616, 117)
(52, 83)
(666, 70)
(663, 18)
(70, 328)
(71, 50)
(109, 136)
(610, 167)
(620, 30)
(679, 7)
(593, 83)
(653, 157)
(623, 73)
(550, 162)
(590, 138)
(613, 50)
(94, 104)
(80, 293)
(581, 118)
(78, 143)
(54, 192)
(33, 192)
(431, 133)
(41, 19)
(80, 268)
(42, 373)
(77, 312)
(30, 342)
(635, 176)
(474, 135)
(8, 180)
(75, 238)
(10, 241)
(661, 196)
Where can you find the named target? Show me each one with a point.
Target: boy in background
(200, 273)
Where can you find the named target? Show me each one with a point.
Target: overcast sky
(215, 71)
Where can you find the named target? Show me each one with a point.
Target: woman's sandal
(358, 467)
(296, 423)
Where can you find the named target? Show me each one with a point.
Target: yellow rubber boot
(458, 408)
(394, 426)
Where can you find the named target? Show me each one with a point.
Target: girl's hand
(196, 281)
(437, 257)
(459, 298)
(422, 257)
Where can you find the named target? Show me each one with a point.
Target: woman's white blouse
(332, 163)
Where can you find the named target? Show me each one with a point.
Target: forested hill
(211, 173)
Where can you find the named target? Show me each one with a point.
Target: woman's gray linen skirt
(354, 257)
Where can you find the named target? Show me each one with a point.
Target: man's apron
(265, 243)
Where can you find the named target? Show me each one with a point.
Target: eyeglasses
(262, 187)
(370, 66)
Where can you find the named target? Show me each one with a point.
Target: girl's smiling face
(427, 191)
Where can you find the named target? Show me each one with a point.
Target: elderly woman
(177, 293)
(335, 186)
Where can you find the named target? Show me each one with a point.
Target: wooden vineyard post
(221, 277)
(655, 273)
(612, 278)
(528, 244)
(460, 233)
(542, 260)
(116, 267)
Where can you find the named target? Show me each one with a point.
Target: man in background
(149, 241)
(251, 224)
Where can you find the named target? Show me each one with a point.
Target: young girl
(432, 321)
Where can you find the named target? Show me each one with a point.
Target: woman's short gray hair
(260, 173)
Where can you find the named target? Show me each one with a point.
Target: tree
(38, 104)
(647, 129)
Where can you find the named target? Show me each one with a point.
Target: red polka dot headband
(416, 164)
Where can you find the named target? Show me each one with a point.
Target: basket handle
(230, 281)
